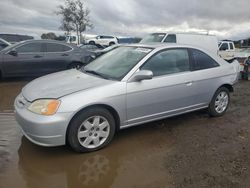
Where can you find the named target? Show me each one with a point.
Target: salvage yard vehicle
(128, 86)
(228, 51)
(39, 57)
(207, 42)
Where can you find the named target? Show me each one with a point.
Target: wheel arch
(105, 106)
(228, 86)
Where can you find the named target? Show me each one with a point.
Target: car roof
(47, 40)
(161, 45)
(176, 33)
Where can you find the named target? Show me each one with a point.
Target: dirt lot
(191, 150)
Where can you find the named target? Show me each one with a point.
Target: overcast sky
(225, 18)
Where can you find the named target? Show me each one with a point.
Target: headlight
(44, 106)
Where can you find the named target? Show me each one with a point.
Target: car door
(102, 40)
(206, 76)
(56, 57)
(169, 92)
(25, 61)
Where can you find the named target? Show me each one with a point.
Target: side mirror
(141, 75)
(13, 52)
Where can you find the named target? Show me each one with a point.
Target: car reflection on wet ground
(191, 150)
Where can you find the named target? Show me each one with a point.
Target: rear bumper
(43, 130)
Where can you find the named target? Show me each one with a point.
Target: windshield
(118, 62)
(154, 37)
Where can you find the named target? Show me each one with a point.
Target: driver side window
(30, 48)
(168, 62)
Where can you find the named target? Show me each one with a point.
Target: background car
(3, 44)
(103, 40)
(39, 57)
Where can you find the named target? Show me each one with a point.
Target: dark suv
(39, 57)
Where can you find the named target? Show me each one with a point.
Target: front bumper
(43, 130)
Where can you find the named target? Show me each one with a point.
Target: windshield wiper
(97, 74)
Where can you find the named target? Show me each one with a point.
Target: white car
(103, 40)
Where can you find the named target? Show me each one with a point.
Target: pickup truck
(228, 51)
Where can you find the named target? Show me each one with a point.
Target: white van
(207, 42)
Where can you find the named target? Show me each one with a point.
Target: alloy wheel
(93, 132)
(221, 102)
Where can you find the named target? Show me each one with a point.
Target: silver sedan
(128, 86)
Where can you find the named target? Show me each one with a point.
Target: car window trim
(46, 49)
(26, 52)
(193, 62)
(167, 50)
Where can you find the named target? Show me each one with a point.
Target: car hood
(60, 84)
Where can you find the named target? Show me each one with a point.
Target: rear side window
(53, 47)
(170, 39)
(168, 62)
(30, 48)
(202, 60)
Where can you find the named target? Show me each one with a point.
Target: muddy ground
(191, 150)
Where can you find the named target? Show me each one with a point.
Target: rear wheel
(91, 130)
(111, 43)
(220, 102)
(91, 42)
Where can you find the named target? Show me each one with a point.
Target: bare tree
(75, 17)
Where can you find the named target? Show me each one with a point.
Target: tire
(220, 102)
(75, 66)
(111, 43)
(91, 130)
(91, 42)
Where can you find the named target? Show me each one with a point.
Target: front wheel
(91, 130)
(220, 102)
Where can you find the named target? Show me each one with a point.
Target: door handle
(65, 54)
(189, 83)
(38, 56)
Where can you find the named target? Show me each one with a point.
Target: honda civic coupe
(40, 57)
(128, 86)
